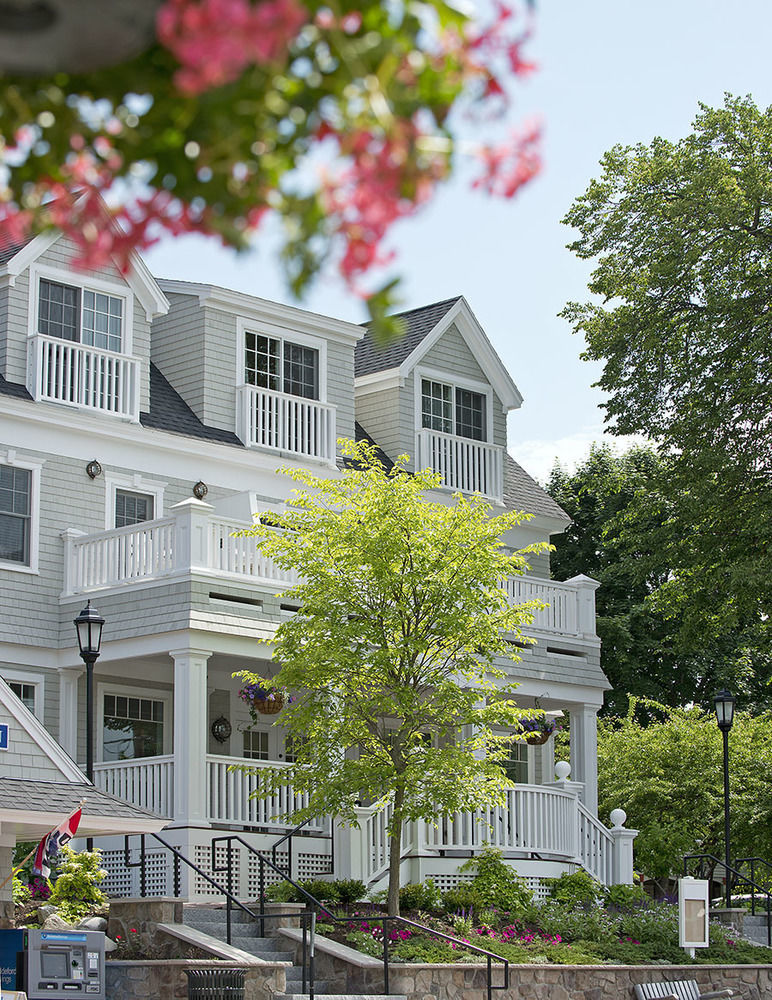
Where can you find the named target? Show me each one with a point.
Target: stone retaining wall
(167, 980)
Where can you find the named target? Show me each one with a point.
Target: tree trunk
(395, 851)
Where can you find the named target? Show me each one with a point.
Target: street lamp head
(724, 704)
(88, 626)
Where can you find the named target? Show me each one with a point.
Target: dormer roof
(423, 328)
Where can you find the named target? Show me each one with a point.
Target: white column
(68, 709)
(190, 735)
(584, 753)
(622, 851)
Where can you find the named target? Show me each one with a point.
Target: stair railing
(307, 919)
(755, 864)
(740, 878)
(287, 838)
(386, 921)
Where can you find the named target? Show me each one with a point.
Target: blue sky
(609, 71)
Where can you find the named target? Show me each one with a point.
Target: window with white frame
(453, 410)
(132, 508)
(132, 726)
(15, 514)
(25, 693)
(281, 366)
(256, 744)
(516, 765)
(84, 315)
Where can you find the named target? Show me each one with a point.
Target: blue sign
(3, 736)
(11, 943)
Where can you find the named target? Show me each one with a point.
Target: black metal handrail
(288, 838)
(384, 920)
(740, 877)
(305, 918)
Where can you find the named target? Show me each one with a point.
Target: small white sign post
(693, 912)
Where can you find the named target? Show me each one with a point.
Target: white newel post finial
(585, 596)
(622, 850)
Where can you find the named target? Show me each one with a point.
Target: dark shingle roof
(170, 412)
(59, 796)
(360, 434)
(521, 492)
(8, 250)
(13, 389)
(369, 358)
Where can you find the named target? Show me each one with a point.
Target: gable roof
(373, 364)
(9, 250)
(370, 357)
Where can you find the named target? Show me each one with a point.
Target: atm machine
(65, 964)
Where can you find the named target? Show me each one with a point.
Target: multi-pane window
(15, 514)
(87, 316)
(133, 727)
(459, 411)
(132, 508)
(516, 767)
(24, 692)
(276, 364)
(256, 744)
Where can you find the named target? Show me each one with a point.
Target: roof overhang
(27, 825)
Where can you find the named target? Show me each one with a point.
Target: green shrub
(324, 891)
(420, 896)
(284, 892)
(574, 888)
(349, 890)
(365, 942)
(76, 890)
(21, 892)
(462, 897)
(497, 883)
(626, 897)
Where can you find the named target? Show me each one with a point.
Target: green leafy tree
(668, 775)
(682, 236)
(621, 534)
(391, 656)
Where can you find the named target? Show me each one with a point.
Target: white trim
(125, 691)
(12, 675)
(35, 730)
(136, 483)
(85, 283)
(365, 385)
(20, 261)
(11, 458)
(259, 310)
(244, 326)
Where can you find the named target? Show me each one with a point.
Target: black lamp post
(88, 625)
(724, 705)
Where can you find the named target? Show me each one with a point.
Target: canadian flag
(49, 846)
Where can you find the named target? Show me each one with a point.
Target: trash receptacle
(215, 984)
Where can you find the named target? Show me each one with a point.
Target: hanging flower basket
(536, 732)
(264, 698)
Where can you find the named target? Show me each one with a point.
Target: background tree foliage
(682, 236)
(668, 775)
(624, 533)
(390, 657)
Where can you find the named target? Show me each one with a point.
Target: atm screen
(55, 964)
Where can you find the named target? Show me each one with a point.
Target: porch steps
(211, 920)
(755, 928)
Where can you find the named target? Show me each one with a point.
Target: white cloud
(538, 455)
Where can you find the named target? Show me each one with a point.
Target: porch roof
(31, 808)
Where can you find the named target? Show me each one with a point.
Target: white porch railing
(281, 422)
(463, 464)
(147, 782)
(560, 615)
(63, 371)
(240, 556)
(595, 847)
(230, 794)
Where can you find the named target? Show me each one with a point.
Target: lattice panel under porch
(119, 878)
(159, 874)
(202, 856)
(449, 880)
(311, 865)
(253, 873)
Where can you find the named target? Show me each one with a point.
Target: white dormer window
(453, 410)
(281, 366)
(82, 315)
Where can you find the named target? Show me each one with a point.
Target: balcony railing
(147, 782)
(464, 465)
(62, 371)
(281, 422)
